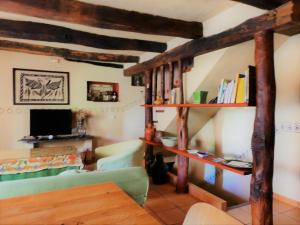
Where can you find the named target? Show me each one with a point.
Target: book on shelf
(240, 90)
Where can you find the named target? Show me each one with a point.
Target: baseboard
(202, 194)
(286, 200)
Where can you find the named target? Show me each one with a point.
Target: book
(236, 81)
(229, 92)
(252, 85)
(240, 95)
(224, 84)
(247, 86)
(220, 91)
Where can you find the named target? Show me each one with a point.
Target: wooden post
(182, 162)
(264, 131)
(148, 117)
(182, 134)
(154, 80)
(162, 82)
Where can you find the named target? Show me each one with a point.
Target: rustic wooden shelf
(208, 159)
(198, 105)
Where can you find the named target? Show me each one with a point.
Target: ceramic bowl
(169, 141)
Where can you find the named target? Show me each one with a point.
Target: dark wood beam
(103, 17)
(263, 4)
(52, 33)
(285, 19)
(112, 65)
(263, 139)
(64, 53)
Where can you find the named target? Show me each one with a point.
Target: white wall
(109, 122)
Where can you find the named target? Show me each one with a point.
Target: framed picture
(102, 91)
(40, 87)
(137, 80)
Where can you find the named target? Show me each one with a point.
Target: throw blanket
(13, 166)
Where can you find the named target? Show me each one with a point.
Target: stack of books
(240, 90)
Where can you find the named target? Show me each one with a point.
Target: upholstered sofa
(120, 155)
(133, 181)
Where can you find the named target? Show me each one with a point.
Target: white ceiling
(190, 10)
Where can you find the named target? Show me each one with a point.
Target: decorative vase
(159, 170)
(81, 127)
(149, 132)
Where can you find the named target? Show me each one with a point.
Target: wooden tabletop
(103, 203)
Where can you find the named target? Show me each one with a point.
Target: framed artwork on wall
(137, 80)
(102, 91)
(40, 87)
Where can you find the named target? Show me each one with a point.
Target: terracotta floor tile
(155, 216)
(282, 219)
(153, 194)
(279, 207)
(294, 214)
(185, 208)
(173, 216)
(241, 215)
(159, 204)
(163, 189)
(246, 208)
(182, 200)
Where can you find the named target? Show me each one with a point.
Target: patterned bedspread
(13, 166)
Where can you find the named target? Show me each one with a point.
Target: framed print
(102, 91)
(40, 87)
(137, 80)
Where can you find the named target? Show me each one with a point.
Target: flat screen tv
(50, 122)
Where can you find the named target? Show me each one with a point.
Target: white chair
(205, 214)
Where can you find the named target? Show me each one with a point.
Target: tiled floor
(167, 206)
(170, 208)
(284, 214)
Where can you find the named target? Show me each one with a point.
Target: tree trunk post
(261, 196)
(148, 117)
(182, 134)
(182, 162)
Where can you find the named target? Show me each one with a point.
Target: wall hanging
(40, 87)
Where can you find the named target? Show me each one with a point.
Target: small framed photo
(102, 91)
(40, 87)
(137, 80)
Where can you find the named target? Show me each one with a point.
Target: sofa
(120, 155)
(133, 180)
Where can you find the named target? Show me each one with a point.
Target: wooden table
(103, 203)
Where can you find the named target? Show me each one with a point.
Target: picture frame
(138, 80)
(102, 91)
(40, 87)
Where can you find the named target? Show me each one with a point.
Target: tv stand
(36, 142)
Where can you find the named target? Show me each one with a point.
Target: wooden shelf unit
(191, 105)
(207, 160)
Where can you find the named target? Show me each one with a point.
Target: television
(50, 122)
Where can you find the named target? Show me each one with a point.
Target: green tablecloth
(41, 173)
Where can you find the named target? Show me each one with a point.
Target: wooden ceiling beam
(263, 4)
(112, 65)
(51, 33)
(103, 17)
(64, 53)
(285, 20)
